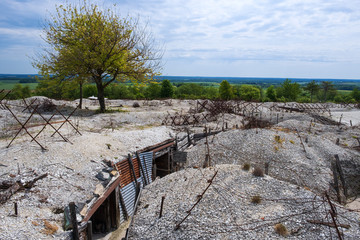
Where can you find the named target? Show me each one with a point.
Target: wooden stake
(74, 221)
(89, 230)
(16, 208)
(161, 206)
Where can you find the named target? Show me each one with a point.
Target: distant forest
(184, 87)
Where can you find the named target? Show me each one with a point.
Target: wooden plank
(75, 230)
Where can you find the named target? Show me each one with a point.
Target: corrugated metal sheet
(146, 159)
(127, 180)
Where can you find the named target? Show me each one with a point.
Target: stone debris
(226, 210)
(75, 171)
(305, 162)
(71, 168)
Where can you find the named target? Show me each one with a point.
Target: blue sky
(247, 38)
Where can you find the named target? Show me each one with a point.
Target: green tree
(290, 91)
(225, 90)
(210, 92)
(153, 91)
(90, 90)
(271, 93)
(16, 91)
(326, 86)
(26, 92)
(249, 93)
(355, 94)
(189, 90)
(85, 42)
(167, 89)
(313, 89)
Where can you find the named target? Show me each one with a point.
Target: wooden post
(341, 174)
(16, 208)
(107, 215)
(176, 143)
(340, 119)
(89, 231)
(117, 207)
(188, 136)
(154, 171)
(132, 168)
(350, 123)
(171, 159)
(161, 206)
(168, 153)
(277, 118)
(74, 221)
(137, 191)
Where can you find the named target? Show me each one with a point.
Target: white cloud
(231, 32)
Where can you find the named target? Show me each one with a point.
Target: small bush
(246, 167)
(281, 229)
(136, 105)
(256, 199)
(258, 172)
(278, 139)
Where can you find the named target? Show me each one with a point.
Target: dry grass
(246, 167)
(256, 199)
(258, 172)
(278, 139)
(49, 228)
(281, 230)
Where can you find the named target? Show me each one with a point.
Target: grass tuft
(258, 172)
(256, 199)
(246, 167)
(281, 230)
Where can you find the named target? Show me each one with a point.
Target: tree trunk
(100, 89)
(81, 95)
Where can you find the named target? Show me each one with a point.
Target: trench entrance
(104, 219)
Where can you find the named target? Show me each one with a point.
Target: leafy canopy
(225, 90)
(87, 43)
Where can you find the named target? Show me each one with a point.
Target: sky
(222, 38)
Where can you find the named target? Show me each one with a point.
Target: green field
(8, 85)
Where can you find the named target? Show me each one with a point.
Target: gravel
(281, 147)
(72, 167)
(226, 210)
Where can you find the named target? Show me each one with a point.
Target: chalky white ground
(226, 210)
(72, 167)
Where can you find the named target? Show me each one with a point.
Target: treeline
(285, 92)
